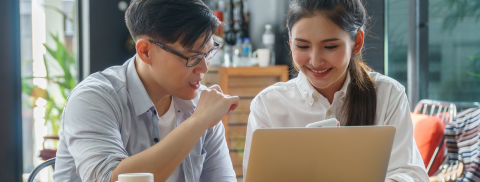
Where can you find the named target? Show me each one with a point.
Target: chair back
(37, 169)
(461, 106)
(446, 111)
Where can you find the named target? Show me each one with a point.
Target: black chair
(49, 162)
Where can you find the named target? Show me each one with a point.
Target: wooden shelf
(245, 82)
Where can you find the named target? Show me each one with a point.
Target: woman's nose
(316, 59)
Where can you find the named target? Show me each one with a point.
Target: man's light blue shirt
(109, 117)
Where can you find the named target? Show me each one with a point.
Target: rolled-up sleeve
(91, 132)
(406, 164)
(217, 165)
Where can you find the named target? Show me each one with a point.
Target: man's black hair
(169, 21)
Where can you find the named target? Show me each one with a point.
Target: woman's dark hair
(171, 20)
(350, 15)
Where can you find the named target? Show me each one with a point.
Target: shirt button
(318, 95)
(329, 112)
(343, 99)
(310, 100)
(155, 140)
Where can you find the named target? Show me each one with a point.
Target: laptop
(352, 153)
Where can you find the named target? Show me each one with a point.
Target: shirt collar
(186, 106)
(304, 86)
(141, 100)
(307, 90)
(343, 91)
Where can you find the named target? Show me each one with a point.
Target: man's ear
(144, 50)
(357, 47)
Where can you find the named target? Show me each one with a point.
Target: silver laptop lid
(359, 153)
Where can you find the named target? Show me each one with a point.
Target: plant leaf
(475, 57)
(473, 74)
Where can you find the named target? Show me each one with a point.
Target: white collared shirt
(296, 103)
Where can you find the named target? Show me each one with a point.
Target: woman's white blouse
(296, 103)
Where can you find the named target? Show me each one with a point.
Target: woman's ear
(358, 45)
(144, 50)
(290, 41)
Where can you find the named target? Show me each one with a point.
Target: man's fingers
(216, 87)
(233, 107)
(234, 102)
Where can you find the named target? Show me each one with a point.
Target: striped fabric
(463, 142)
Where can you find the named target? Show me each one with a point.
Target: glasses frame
(195, 62)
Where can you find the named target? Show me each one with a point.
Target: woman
(326, 40)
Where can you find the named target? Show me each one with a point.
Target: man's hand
(214, 105)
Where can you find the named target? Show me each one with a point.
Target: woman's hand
(338, 124)
(214, 105)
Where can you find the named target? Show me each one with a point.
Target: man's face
(170, 72)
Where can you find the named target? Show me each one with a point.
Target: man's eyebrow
(323, 41)
(194, 51)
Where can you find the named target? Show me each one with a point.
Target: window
(454, 50)
(397, 37)
(48, 46)
(453, 44)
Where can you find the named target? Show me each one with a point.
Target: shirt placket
(154, 120)
(337, 104)
(332, 110)
(186, 163)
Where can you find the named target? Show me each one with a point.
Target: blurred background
(432, 47)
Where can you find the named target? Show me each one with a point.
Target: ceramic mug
(135, 177)
(263, 56)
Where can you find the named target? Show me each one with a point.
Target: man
(151, 114)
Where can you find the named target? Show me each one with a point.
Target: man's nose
(202, 66)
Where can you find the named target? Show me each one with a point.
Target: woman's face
(321, 50)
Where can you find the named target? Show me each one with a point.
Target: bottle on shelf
(268, 40)
(247, 52)
(237, 53)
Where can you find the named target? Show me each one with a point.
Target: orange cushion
(428, 131)
(418, 117)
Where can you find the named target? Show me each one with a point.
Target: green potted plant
(59, 87)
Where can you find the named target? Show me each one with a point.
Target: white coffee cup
(135, 177)
(263, 56)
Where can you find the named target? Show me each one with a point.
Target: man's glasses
(192, 60)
